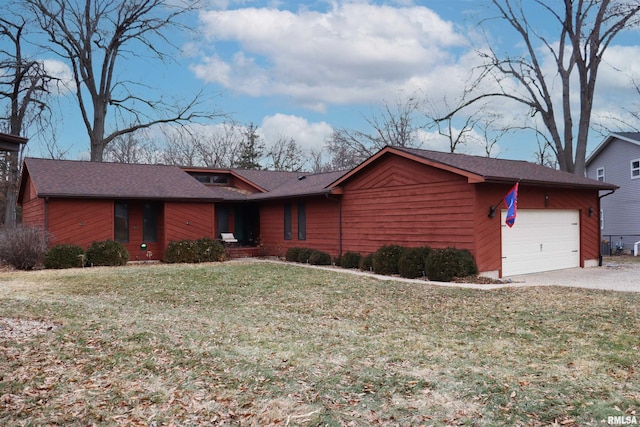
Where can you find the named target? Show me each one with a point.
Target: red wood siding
(322, 216)
(79, 221)
(489, 248)
(33, 213)
(398, 201)
(188, 221)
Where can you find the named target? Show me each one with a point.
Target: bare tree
(393, 125)
(219, 147)
(285, 155)
(23, 85)
(459, 133)
(94, 36)
(130, 148)
(585, 29)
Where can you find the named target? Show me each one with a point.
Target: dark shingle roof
(301, 185)
(487, 169)
(66, 178)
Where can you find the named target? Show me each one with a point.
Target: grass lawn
(269, 344)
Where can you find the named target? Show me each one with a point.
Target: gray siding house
(617, 161)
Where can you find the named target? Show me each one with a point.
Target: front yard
(269, 344)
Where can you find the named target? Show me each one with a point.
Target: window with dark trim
(302, 221)
(287, 222)
(150, 222)
(121, 222)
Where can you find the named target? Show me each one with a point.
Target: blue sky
(303, 68)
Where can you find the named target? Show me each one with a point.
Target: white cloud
(309, 136)
(330, 57)
(64, 75)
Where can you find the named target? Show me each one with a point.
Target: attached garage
(541, 240)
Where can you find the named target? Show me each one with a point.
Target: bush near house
(64, 256)
(385, 260)
(443, 265)
(350, 260)
(194, 251)
(319, 258)
(292, 254)
(307, 256)
(107, 253)
(23, 247)
(366, 263)
(412, 262)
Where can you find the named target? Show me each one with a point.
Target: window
(150, 222)
(635, 169)
(600, 174)
(287, 222)
(212, 179)
(302, 221)
(601, 219)
(121, 222)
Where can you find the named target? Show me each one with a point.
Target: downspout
(599, 228)
(339, 200)
(46, 214)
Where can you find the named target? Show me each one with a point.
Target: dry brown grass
(270, 344)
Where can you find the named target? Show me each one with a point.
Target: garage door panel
(541, 240)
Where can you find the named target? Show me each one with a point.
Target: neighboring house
(399, 196)
(11, 142)
(617, 161)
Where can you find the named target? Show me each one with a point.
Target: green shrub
(412, 262)
(319, 258)
(386, 259)
(350, 260)
(64, 256)
(23, 247)
(292, 254)
(304, 254)
(108, 253)
(194, 251)
(209, 250)
(444, 264)
(366, 262)
(182, 251)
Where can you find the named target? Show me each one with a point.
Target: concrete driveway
(613, 275)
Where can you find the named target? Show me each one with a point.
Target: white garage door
(540, 240)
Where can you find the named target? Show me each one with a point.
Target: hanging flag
(511, 202)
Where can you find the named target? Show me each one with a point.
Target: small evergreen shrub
(304, 254)
(182, 251)
(386, 259)
(107, 253)
(319, 258)
(64, 256)
(209, 250)
(366, 262)
(444, 264)
(23, 247)
(194, 251)
(350, 260)
(412, 262)
(292, 254)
